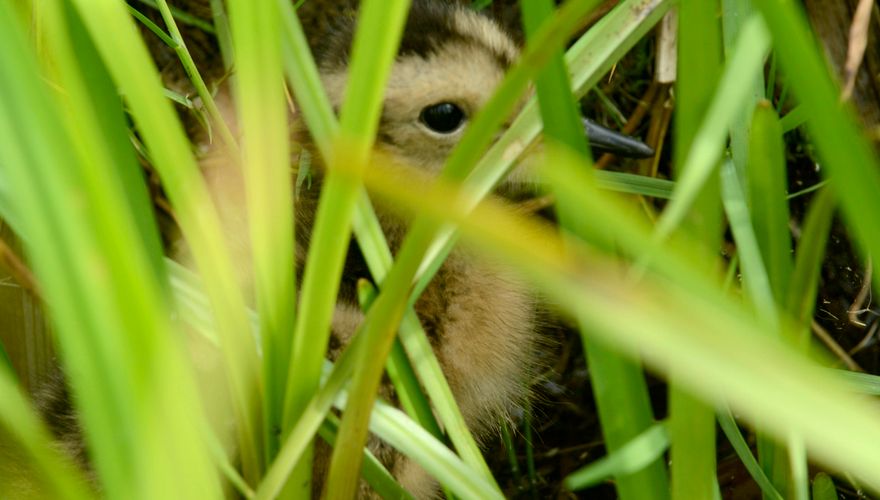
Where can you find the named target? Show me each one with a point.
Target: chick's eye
(442, 118)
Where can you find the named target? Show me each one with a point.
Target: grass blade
(262, 111)
(639, 453)
(129, 64)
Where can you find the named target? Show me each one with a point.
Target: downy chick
(480, 320)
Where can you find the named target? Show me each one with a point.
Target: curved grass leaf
(632, 457)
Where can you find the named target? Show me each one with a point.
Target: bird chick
(480, 320)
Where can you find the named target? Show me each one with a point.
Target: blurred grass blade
(401, 372)
(128, 62)
(265, 161)
(862, 382)
(390, 306)
(699, 43)
(408, 437)
(135, 393)
(666, 324)
(640, 452)
(623, 182)
(618, 384)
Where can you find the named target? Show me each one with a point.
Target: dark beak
(603, 140)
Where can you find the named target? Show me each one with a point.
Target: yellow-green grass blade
(193, 307)
(635, 455)
(92, 98)
(223, 32)
(667, 323)
(618, 383)
(318, 115)
(123, 356)
(401, 372)
(390, 306)
(128, 62)
(262, 117)
(692, 421)
(376, 475)
(386, 423)
(380, 26)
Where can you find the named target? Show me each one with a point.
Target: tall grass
(641, 294)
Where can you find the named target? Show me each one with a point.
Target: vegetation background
(764, 146)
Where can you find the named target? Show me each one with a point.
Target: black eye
(442, 118)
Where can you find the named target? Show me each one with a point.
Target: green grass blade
(692, 422)
(183, 17)
(618, 384)
(262, 111)
(303, 76)
(766, 182)
(388, 309)
(710, 136)
(640, 452)
(755, 279)
(734, 15)
(412, 440)
(851, 164)
(741, 447)
(666, 324)
(634, 184)
(823, 487)
(90, 260)
(373, 52)
(129, 64)
(862, 382)
(195, 77)
(374, 472)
